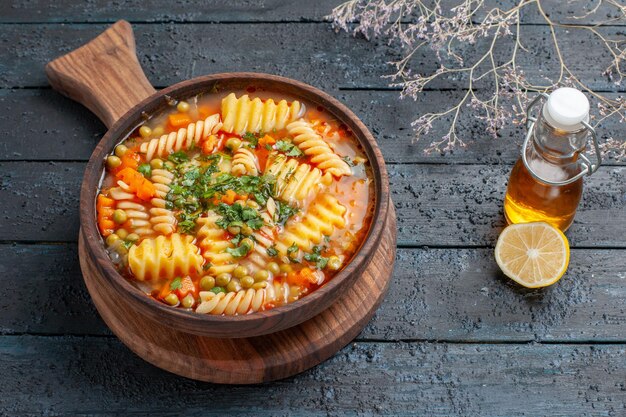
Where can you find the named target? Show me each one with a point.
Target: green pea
(120, 150)
(252, 204)
(171, 299)
(112, 238)
(247, 241)
(246, 230)
(247, 281)
(334, 263)
(158, 131)
(119, 216)
(273, 268)
(222, 279)
(233, 144)
(285, 268)
(207, 282)
(183, 107)
(113, 162)
(188, 301)
(122, 233)
(156, 163)
(233, 286)
(145, 131)
(234, 230)
(133, 237)
(261, 275)
(169, 165)
(240, 272)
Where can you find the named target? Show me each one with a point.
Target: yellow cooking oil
(530, 200)
(546, 182)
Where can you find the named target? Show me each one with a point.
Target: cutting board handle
(104, 75)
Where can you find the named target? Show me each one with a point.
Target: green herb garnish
(237, 215)
(252, 140)
(178, 157)
(285, 211)
(349, 161)
(187, 222)
(271, 251)
(240, 251)
(145, 170)
(288, 148)
(176, 284)
(316, 257)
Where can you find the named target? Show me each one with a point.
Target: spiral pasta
(137, 214)
(257, 259)
(213, 244)
(231, 303)
(246, 301)
(323, 216)
(295, 182)
(183, 139)
(243, 115)
(245, 163)
(164, 257)
(314, 146)
(105, 207)
(162, 219)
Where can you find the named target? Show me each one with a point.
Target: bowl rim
(133, 117)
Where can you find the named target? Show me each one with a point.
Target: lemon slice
(533, 254)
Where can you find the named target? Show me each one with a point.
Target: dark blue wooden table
(453, 337)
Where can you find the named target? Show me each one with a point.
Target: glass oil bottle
(546, 183)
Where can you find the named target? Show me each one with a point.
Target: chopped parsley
(145, 170)
(178, 157)
(251, 139)
(285, 211)
(217, 290)
(237, 215)
(240, 251)
(288, 148)
(176, 284)
(292, 251)
(271, 251)
(348, 161)
(187, 221)
(293, 248)
(316, 257)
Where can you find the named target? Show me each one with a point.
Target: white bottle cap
(566, 109)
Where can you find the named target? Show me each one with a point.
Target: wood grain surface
(464, 298)
(68, 132)
(474, 344)
(252, 359)
(450, 205)
(369, 379)
(103, 75)
(170, 53)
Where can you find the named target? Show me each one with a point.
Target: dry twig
(416, 24)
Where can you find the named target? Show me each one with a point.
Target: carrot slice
(209, 145)
(137, 184)
(178, 120)
(186, 287)
(229, 197)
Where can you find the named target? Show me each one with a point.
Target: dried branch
(417, 24)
